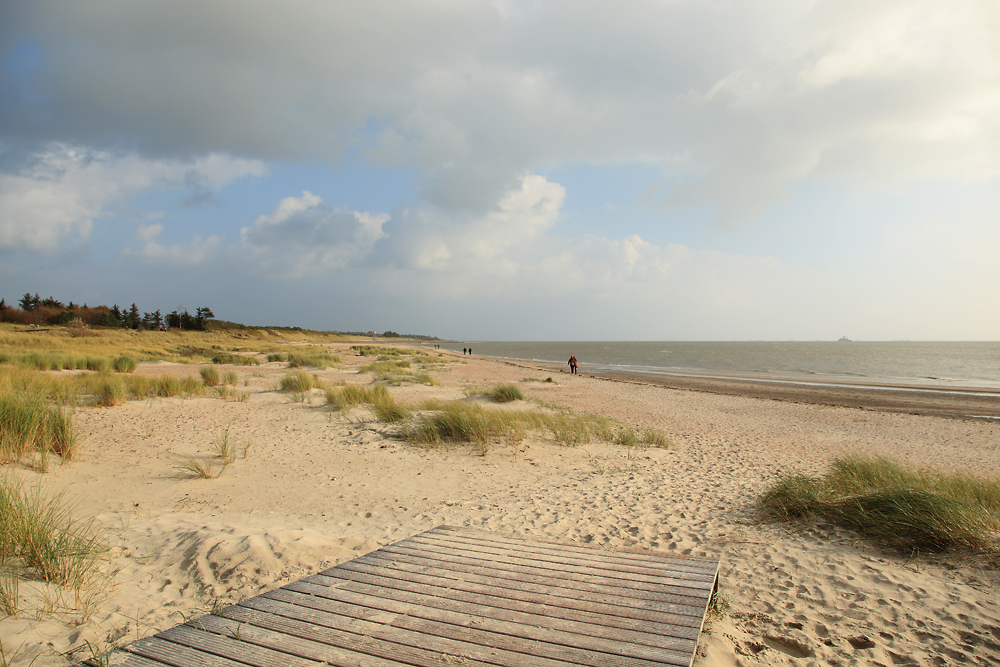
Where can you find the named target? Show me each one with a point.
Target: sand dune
(315, 491)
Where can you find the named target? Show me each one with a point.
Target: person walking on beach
(572, 365)
(463, 351)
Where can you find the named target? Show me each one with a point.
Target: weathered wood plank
(652, 600)
(538, 605)
(670, 592)
(667, 649)
(375, 639)
(702, 563)
(459, 595)
(316, 609)
(674, 565)
(609, 610)
(499, 555)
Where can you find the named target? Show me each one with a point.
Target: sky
(511, 169)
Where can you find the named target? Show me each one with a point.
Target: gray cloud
(757, 95)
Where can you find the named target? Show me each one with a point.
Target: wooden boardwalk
(458, 596)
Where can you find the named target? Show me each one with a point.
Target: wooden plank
(708, 564)
(401, 644)
(667, 650)
(306, 640)
(459, 595)
(499, 555)
(169, 653)
(498, 613)
(610, 610)
(562, 587)
(295, 605)
(618, 561)
(536, 604)
(665, 592)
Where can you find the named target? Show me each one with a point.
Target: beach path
(459, 596)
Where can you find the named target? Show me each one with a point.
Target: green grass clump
(30, 420)
(277, 356)
(210, 376)
(124, 364)
(894, 506)
(385, 407)
(506, 393)
(317, 359)
(110, 390)
(40, 538)
(298, 381)
(235, 359)
(347, 396)
(230, 377)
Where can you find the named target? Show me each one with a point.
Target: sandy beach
(316, 489)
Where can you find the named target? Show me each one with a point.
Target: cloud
(196, 252)
(60, 191)
(304, 236)
(471, 95)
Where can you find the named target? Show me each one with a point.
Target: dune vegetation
(894, 506)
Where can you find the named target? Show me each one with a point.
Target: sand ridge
(315, 491)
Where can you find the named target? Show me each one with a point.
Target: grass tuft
(124, 364)
(506, 393)
(894, 506)
(210, 376)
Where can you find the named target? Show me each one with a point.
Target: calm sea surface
(976, 364)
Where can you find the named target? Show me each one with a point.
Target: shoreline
(969, 402)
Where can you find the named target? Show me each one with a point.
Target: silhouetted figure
(572, 365)
(464, 351)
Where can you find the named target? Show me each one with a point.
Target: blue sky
(514, 169)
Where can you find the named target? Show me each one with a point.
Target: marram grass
(894, 506)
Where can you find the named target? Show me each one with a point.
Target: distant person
(470, 351)
(572, 365)
(463, 351)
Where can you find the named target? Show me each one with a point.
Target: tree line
(49, 311)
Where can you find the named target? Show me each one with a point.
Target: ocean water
(952, 364)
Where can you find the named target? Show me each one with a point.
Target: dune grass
(458, 422)
(30, 420)
(210, 376)
(124, 364)
(894, 506)
(234, 359)
(317, 358)
(298, 382)
(40, 538)
(506, 393)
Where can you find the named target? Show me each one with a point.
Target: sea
(955, 364)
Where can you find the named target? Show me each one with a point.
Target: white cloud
(61, 191)
(196, 252)
(304, 236)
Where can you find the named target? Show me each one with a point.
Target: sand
(315, 491)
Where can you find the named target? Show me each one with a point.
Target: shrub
(892, 505)
(318, 359)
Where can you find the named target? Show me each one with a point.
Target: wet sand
(936, 400)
